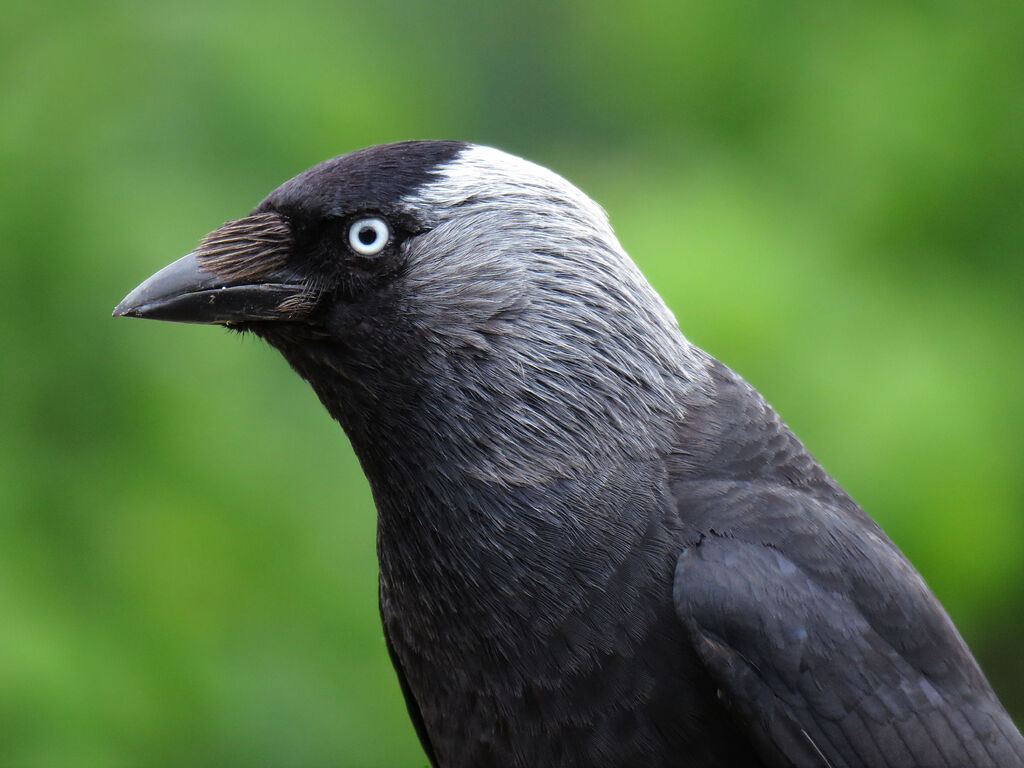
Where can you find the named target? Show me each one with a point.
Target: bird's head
(451, 286)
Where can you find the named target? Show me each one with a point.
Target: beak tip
(166, 283)
(129, 306)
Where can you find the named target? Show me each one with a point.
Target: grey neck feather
(546, 351)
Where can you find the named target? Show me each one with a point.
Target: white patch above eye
(368, 236)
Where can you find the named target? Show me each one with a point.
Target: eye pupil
(367, 235)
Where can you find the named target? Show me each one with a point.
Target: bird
(597, 544)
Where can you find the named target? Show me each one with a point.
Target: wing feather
(825, 644)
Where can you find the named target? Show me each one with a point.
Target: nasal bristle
(246, 248)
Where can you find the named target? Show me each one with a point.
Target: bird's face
(335, 232)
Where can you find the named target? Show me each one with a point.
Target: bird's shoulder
(822, 638)
(740, 481)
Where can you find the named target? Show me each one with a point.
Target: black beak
(229, 279)
(183, 293)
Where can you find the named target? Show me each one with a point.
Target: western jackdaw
(598, 545)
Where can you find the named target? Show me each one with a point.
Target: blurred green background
(831, 199)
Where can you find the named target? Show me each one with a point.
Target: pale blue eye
(368, 236)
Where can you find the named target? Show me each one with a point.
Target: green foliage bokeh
(831, 198)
